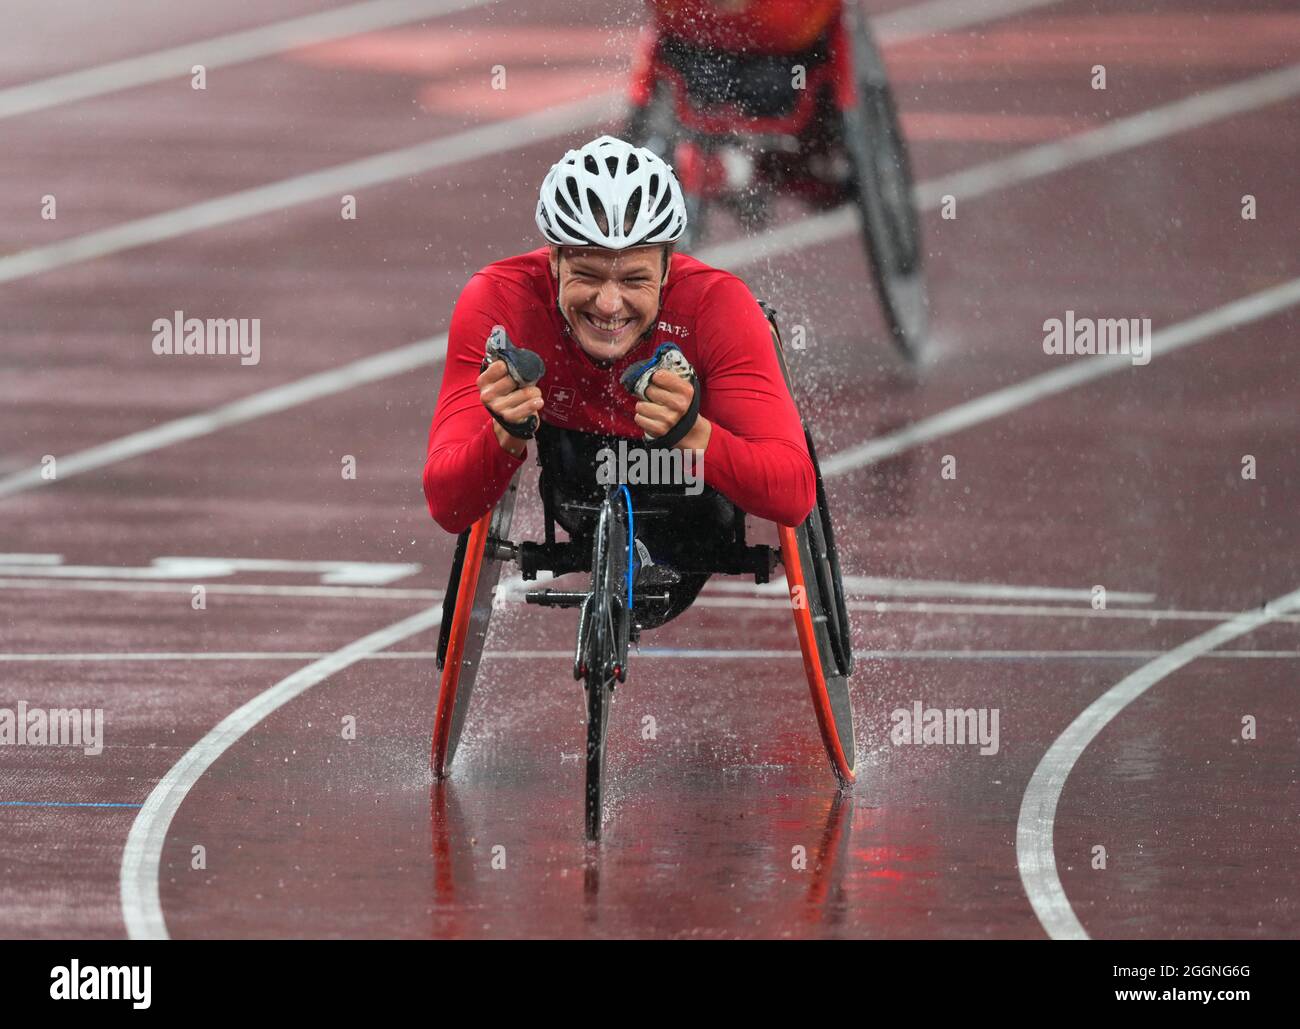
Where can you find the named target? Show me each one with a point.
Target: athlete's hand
(499, 395)
(668, 398)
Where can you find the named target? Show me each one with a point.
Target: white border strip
(141, 902)
(1035, 829)
(221, 51)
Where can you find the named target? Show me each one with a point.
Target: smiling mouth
(610, 328)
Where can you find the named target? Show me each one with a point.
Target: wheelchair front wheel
(466, 610)
(603, 634)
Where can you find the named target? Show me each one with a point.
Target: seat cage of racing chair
(755, 85)
(724, 552)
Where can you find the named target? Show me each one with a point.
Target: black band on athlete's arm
(684, 424)
(519, 430)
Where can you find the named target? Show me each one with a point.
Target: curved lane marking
(1035, 828)
(141, 903)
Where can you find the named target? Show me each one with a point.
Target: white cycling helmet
(611, 194)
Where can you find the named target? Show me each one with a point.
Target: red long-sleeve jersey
(756, 455)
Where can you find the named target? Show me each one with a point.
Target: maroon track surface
(1132, 481)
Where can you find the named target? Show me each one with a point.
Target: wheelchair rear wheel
(882, 184)
(812, 571)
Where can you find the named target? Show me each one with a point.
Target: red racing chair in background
(749, 99)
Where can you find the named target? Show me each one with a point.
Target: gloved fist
(669, 393)
(507, 385)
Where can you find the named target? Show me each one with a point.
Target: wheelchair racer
(597, 305)
(748, 26)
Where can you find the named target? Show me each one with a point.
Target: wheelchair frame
(607, 611)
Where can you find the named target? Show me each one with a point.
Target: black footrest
(646, 597)
(554, 598)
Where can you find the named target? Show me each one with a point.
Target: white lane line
(513, 588)
(431, 351)
(269, 40)
(1034, 162)
(716, 599)
(1008, 610)
(913, 655)
(694, 653)
(279, 398)
(855, 586)
(351, 176)
(1118, 136)
(183, 655)
(945, 16)
(231, 589)
(332, 573)
(201, 569)
(1035, 828)
(1075, 373)
(874, 586)
(141, 905)
(482, 141)
(221, 51)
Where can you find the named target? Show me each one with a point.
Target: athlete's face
(609, 297)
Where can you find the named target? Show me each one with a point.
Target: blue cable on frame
(631, 548)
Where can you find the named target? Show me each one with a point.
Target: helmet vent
(571, 229)
(633, 209)
(563, 205)
(598, 212)
(661, 226)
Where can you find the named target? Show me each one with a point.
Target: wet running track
(264, 763)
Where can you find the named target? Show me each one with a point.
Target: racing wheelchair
(740, 127)
(616, 608)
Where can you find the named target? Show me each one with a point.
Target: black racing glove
(636, 380)
(525, 368)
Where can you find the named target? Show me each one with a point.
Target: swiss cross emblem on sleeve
(560, 401)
